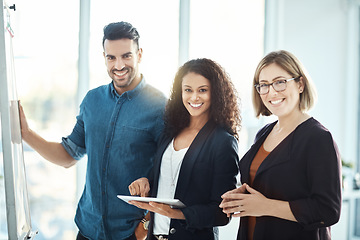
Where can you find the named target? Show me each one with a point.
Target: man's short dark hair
(119, 30)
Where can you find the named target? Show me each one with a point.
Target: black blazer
(304, 169)
(208, 170)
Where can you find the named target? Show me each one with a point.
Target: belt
(161, 237)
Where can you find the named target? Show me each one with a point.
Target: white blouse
(169, 174)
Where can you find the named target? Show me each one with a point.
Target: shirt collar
(128, 94)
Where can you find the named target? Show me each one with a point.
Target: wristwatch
(145, 223)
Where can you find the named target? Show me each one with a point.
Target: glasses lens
(262, 88)
(279, 85)
(257, 86)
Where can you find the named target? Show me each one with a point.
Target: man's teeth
(277, 101)
(120, 74)
(195, 105)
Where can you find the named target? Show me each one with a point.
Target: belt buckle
(161, 237)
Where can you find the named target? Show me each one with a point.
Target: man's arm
(142, 229)
(51, 151)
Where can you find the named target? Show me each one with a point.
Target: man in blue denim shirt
(118, 127)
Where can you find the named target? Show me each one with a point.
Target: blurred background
(58, 57)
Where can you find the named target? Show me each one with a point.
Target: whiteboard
(16, 196)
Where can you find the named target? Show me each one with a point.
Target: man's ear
(104, 57)
(139, 55)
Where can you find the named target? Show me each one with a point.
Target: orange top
(258, 159)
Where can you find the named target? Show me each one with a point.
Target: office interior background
(58, 57)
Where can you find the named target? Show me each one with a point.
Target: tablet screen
(174, 203)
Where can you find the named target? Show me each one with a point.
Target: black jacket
(208, 170)
(305, 170)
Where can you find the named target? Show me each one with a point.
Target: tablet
(174, 203)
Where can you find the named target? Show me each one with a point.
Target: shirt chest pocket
(134, 141)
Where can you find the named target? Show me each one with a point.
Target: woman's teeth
(195, 105)
(276, 102)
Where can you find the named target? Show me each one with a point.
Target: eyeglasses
(279, 86)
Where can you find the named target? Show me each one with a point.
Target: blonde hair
(294, 67)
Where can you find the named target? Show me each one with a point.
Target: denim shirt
(119, 134)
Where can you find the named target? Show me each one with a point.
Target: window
(46, 58)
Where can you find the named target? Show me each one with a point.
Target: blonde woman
(291, 174)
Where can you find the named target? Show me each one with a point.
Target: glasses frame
(271, 84)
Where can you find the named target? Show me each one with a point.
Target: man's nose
(119, 64)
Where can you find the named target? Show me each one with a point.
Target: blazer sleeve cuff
(306, 216)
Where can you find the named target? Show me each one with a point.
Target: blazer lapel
(247, 159)
(191, 157)
(280, 154)
(273, 159)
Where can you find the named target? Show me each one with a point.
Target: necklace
(175, 175)
(177, 170)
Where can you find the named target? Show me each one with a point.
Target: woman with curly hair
(197, 157)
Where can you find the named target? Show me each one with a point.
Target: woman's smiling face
(282, 103)
(196, 95)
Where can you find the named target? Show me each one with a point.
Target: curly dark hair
(224, 108)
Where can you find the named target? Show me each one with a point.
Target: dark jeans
(81, 237)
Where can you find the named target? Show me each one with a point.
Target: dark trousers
(81, 237)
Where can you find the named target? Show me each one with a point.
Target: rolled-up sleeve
(74, 144)
(74, 150)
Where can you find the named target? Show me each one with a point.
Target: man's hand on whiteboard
(23, 123)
